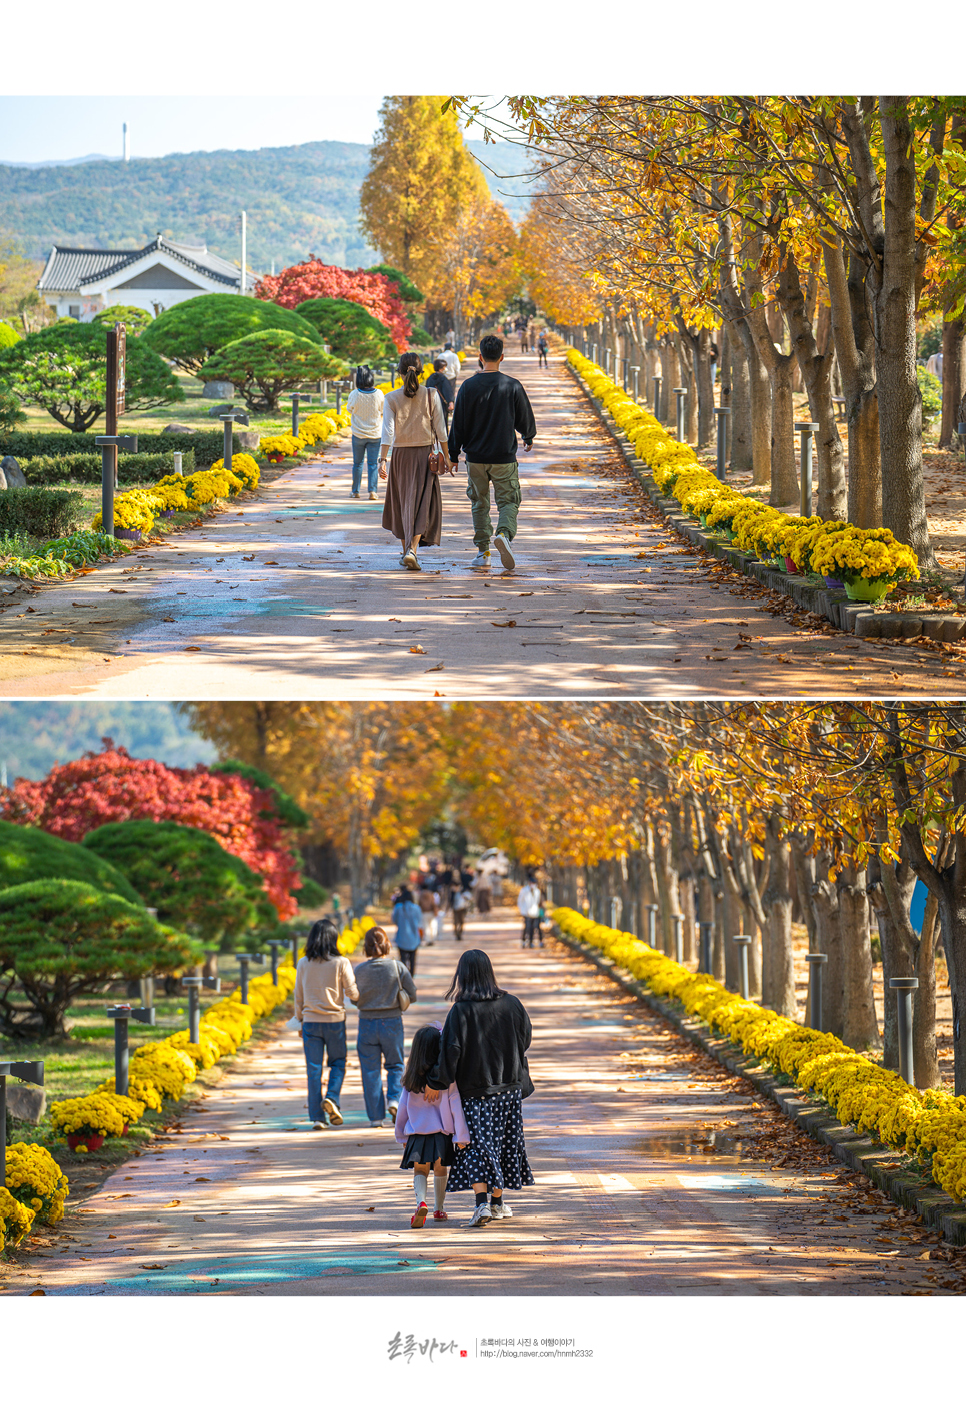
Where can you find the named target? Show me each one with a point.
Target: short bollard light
(657, 395)
(147, 991)
(678, 937)
(637, 383)
(595, 353)
(23, 1071)
(121, 1013)
(298, 399)
(815, 963)
(742, 942)
(681, 395)
(722, 416)
(652, 909)
(704, 932)
(233, 416)
(626, 368)
(244, 960)
(904, 988)
(616, 910)
(110, 445)
(805, 432)
(178, 466)
(194, 983)
(607, 356)
(275, 946)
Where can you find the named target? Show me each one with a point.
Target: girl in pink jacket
(427, 1131)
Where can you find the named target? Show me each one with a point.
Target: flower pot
(779, 562)
(704, 520)
(168, 513)
(125, 1128)
(790, 567)
(867, 591)
(124, 533)
(832, 583)
(89, 1141)
(729, 535)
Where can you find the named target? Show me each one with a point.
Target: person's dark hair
(448, 346)
(376, 943)
(410, 369)
(474, 978)
(365, 380)
(491, 348)
(404, 894)
(439, 363)
(423, 1056)
(323, 941)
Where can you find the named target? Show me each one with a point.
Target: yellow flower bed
(89, 1115)
(244, 467)
(354, 934)
(34, 1179)
(278, 446)
(133, 511)
(16, 1219)
(928, 1124)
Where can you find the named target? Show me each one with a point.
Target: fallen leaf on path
(112, 590)
(155, 1266)
(38, 1292)
(439, 694)
(122, 1195)
(269, 562)
(168, 619)
(175, 1202)
(394, 621)
(198, 1218)
(72, 605)
(503, 623)
(202, 1181)
(417, 649)
(192, 648)
(438, 668)
(370, 1210)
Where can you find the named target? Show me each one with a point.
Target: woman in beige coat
(323, 978)
(412, 417)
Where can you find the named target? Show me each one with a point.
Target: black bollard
(652, 909)
(678, 938)
(805, 432)
(192, 982)
(23, 1071)
(244, 960)
(297, 399)
(742, 942)
(904, 991)
(681, 395)
(722, 416)
(121, 1013)
(657, 396)
(704, 929)
(275, 946)
(815, 963)
(637, 383)
(233, 416)
(110, 445)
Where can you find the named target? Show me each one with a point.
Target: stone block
(246, 440)
(933, 626)
(218, 389)
(217, 409)
(11, 474)
(178, 429)
(25, 1102)
(867, 625)
(952, 629)
(911, 625)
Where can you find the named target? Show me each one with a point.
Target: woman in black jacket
(483, 1049)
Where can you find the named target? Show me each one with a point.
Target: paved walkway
(630, 1197)
(299, 593)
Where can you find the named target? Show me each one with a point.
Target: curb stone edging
(831, 604)
(889, 1170)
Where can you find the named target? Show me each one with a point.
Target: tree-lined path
(299, 594)
(240, 1198)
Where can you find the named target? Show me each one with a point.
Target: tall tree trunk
(741, 455)
(860, 1028)
(825, 904)
(924, 1052)
(778, 973)
(954, 379)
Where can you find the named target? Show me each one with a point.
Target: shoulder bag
(437, 463)
(403, 999)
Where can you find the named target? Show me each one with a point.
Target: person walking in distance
(386, 989)
(452, 364)
(428, 901)
(491, 409)
(483, 1050)
(365, 404)
(528, 904)
(408, 920)
(543, 346)
(459, 904)
(412, 418)
(524, 341)
(428, 1130)
(443, 385)
(323, 977)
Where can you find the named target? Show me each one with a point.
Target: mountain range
(300, 200)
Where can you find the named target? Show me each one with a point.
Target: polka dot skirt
(497, 1153)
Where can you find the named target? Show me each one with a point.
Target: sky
(62, 128)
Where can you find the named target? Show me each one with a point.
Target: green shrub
(265, 365)
(39, 511)
(207, 446)
(86, 467)
(31, 855)
(186, 874)
(191, 331)
(310, 895)
(62, 939)
(351, 331)
(932, 393)
(285, 811)
(136, 319)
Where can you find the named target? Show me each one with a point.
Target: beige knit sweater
(321, 987)
(406, 422)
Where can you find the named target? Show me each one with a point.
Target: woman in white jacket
(528, 903)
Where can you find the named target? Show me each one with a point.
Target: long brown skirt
(414, 503)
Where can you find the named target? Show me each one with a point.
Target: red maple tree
(112, 787)
(373, 291)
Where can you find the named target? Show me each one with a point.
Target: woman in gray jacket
(379, 980)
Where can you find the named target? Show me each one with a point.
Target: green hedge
(207, 445)
(39, 512)
(86, 467)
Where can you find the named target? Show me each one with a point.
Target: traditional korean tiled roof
(73, 269)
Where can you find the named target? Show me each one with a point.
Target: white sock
(421, 1187)
(439, 1187)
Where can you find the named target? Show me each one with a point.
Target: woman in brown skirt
(412, 417)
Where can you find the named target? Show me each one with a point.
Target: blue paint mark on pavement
(197, 1276)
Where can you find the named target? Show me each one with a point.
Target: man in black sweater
(491, 409)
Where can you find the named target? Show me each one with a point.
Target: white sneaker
(481, 1216)
(355, 496)
(318, 1125)
(411, 560)
(506, 554)
(499, 1209)
(483, 558)
(373, 496)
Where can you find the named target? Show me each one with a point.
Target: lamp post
(704, 931)
(657, 396)
(110, 445)
(231, 417)
(23, 1071)
(625, 369)
(722, 416)
(652, 909)
(815, 963)
(121, 1013)
(805, 432)
(275, 946)
(244, 960)
(742, 942)
(297, 399)
(904, 990)
(681, 394)
(194, 983)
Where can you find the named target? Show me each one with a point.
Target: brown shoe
(332, 1111)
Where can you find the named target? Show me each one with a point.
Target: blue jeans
(317, 1039)
(367, 448)
(380, 1038)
